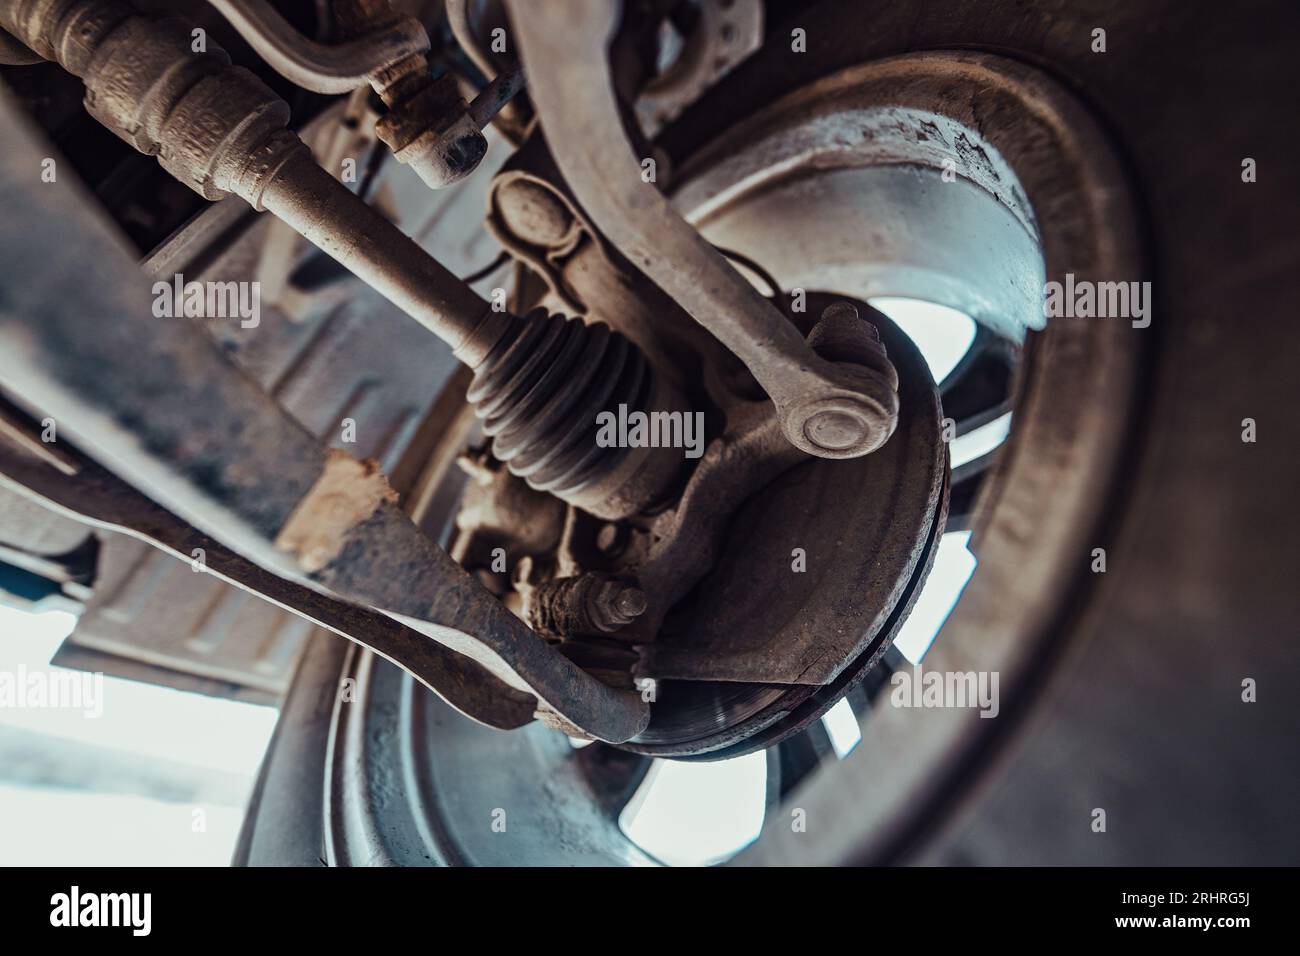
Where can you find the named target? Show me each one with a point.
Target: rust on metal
(346, 494)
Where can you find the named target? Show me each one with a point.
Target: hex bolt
(589, 604)
(617, 603)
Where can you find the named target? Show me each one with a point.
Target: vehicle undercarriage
(514, 388)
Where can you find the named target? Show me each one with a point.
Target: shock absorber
(539, 381)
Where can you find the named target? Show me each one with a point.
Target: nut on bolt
(585, 605)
